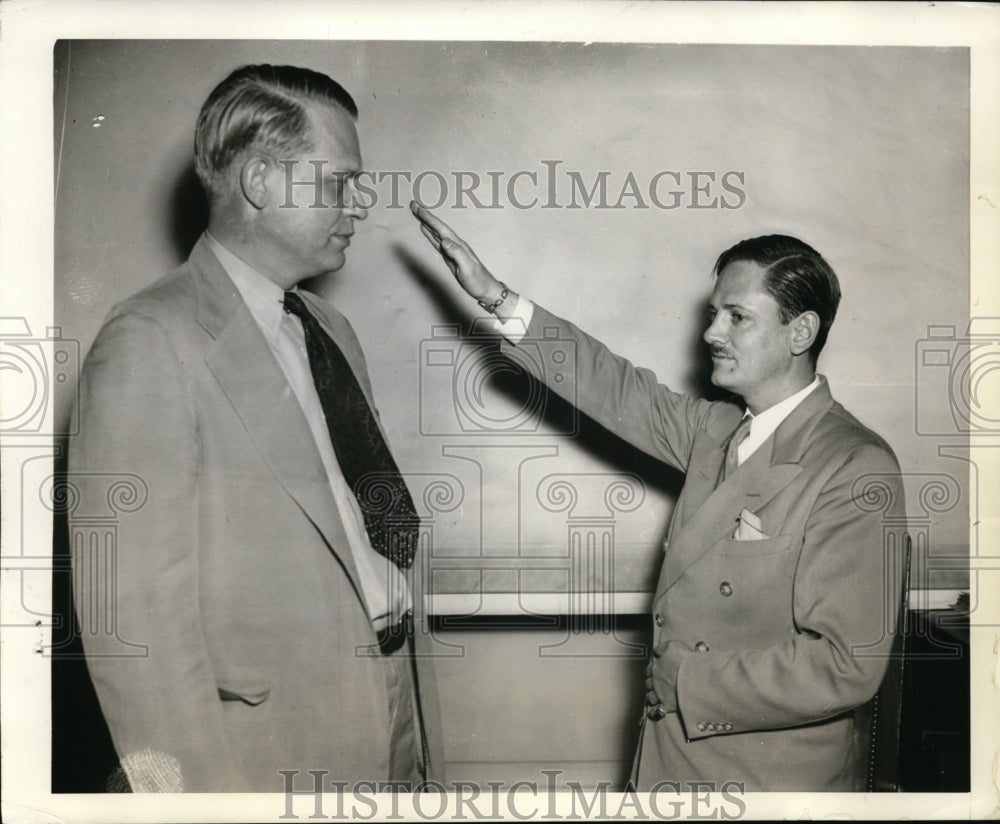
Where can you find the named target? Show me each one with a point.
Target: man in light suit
(769, 617)
(273, 602)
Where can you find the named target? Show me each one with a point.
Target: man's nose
(357, 204)
(714, 333)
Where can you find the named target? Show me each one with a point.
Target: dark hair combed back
(260, 108)
(796, 276)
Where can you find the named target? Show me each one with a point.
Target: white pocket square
(749, 528)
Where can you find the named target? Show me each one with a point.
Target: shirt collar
(764, 423)
(262, 296)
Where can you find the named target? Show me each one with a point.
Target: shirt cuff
(516, 326)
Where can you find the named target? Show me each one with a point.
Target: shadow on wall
(83, 756)
(188, 212)
(557, 415)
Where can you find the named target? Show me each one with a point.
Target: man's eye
(737, 317)
(336, 190)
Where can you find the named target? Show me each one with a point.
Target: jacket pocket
(249, 692)
(755, 549)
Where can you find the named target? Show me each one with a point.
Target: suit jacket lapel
(752, 486)
(243, 364)
(707, 458)
(795, 432)
(709, 513)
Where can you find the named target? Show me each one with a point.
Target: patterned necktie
(369, 469)
(732, 456)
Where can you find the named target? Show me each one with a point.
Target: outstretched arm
(627, 400)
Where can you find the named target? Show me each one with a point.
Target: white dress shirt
(386, 594)
(763, 424)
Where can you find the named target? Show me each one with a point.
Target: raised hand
(470, 273)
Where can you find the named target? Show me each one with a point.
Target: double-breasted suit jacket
(784, 636)
(236, 573)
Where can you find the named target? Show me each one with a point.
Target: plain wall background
(860, 151)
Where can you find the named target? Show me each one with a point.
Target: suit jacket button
(658, 620)
(701, 726)
(727, 726)
(701, 646)
(726, 588)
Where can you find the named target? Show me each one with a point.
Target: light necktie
(732, 452)
(371, 473)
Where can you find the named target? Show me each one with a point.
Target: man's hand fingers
(435, 241)
(470, 273)
(432, 222)
(448, 244)
(651, 697)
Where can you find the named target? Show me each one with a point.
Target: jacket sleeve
(625, 399)
(846, 595)
(162, 706)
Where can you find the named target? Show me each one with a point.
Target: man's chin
(334, 262)
(721, 378)
(725, 380)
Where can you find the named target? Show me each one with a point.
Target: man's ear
(804, 330)
(254, 181)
